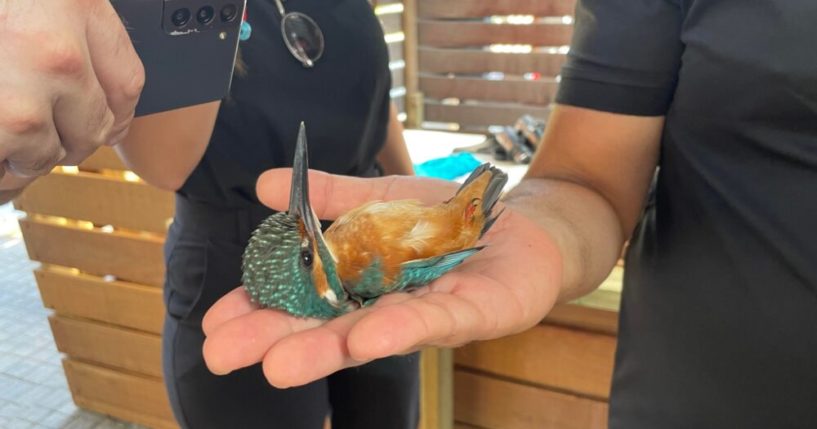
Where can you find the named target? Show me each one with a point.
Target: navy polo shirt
(718, 325)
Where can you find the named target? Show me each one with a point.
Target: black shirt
(344, 101)
(718, 326)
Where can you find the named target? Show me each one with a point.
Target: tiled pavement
(33, 389)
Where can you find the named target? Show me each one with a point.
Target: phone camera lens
(180, 17)
(228, 13)
(205, 15)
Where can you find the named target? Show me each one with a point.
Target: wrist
(582, 227)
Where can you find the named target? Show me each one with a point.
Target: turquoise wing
(413, 274)
(419, 272)
(370, 284)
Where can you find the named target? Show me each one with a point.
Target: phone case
(188, 49)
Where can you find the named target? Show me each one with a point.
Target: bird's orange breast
(399, 231)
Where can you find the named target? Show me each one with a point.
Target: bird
(378, 248)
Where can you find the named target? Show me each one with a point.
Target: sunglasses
(303, 37)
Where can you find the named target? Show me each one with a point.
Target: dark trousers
(203, 254)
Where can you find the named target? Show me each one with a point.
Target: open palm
(507, 287)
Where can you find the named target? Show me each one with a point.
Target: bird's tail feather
(491, 194)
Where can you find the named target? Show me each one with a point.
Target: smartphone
(188, 49)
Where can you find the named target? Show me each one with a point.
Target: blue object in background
(449, 167)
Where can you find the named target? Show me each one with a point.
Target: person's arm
(164, 148)
(394, 156)
(587, 187)
(69, 84)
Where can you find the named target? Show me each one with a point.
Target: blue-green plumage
(424, 271)
(275, 275)
(412, 274)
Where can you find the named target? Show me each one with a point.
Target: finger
(333, 195)
(316, 353)
(14, 183)
(238, 334)
(36, 154)
(312, 354)
(235, 304)
(116, 64)
(75, 157)
(11, 186)
(28, 142)
(461, 307)
(396, 329)
(80, 108)
(82, 117)
(242, 341)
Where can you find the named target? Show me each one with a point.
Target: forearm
(586, 187)
(394, 156)
(582, 224)
(164, 148)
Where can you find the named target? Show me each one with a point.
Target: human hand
(507, 287)
(69, 83)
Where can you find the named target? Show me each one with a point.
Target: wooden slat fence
(484, 63)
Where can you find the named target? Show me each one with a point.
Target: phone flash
(222, 35)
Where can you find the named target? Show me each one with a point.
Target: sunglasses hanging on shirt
(303, 37)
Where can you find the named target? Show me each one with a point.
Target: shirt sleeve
(624, 57)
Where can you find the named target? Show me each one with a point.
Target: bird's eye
(306, 257)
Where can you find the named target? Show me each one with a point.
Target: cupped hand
(70, 82)
(507, 287)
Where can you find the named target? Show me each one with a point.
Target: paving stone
(56, 420)
(84, 421)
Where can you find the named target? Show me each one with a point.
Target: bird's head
(287, 264)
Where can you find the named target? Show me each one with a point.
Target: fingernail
(219, 372)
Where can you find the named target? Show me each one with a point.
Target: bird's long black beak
(299, 193)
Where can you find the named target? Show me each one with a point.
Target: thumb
(333, 195)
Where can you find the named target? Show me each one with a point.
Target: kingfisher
(380, 247)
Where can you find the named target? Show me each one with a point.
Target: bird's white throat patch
(330, 296)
